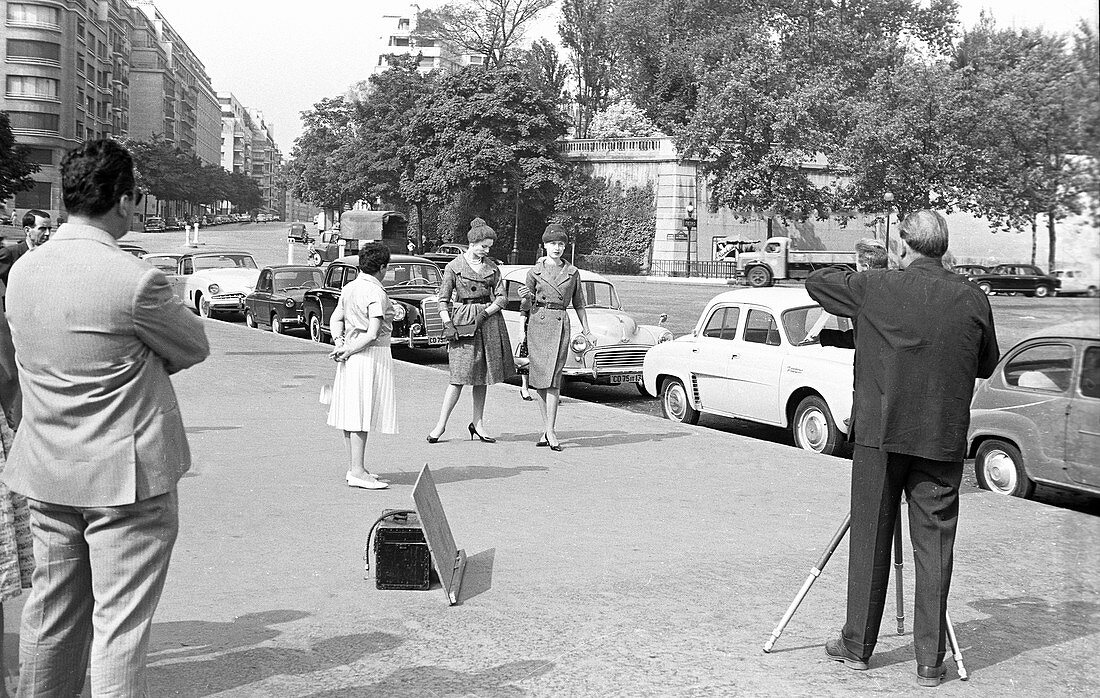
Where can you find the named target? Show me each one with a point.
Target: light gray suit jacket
(97, 331)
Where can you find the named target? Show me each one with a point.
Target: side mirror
(663, 319)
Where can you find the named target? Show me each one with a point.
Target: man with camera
(925, 334)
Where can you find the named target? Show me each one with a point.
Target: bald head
(925, 232)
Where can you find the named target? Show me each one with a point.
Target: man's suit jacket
(8, 256)
(97, 332)
(924, 335)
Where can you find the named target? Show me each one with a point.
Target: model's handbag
(521, 358)
(466, 331)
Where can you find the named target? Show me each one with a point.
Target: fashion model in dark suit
(924, 336)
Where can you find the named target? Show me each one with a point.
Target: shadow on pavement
(598, 439)
(221, 670)
(437, 681)
(1012, 626)
(478, 578)
(460, 474)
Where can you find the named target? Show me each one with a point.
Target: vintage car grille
(227, 297)
(623, 358)
(429, 311)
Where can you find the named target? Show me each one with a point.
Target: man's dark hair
(29, 216)
(95, 175)
(372, 257)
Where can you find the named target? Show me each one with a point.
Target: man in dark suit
(37, 227)
(925, 334)
(97, 332)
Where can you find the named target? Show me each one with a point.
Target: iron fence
(696, 268)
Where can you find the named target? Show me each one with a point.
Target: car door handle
(695, 350)
(733, 356)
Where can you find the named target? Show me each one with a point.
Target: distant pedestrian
(552, 286)
(480, 354)
(870, 254)
(363, 393)
(923, 336)
(37, 228)
(101, 447)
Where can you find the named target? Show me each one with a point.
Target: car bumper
(228, 302)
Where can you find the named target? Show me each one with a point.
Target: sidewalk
(646, 559)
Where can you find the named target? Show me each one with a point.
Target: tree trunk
(420, 227)
(1053, 242)
(1034, 236)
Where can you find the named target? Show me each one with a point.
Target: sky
(281, 58)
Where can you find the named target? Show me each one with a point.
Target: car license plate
(436, 340)
(626, 378)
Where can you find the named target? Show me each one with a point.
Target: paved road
(1016, 318)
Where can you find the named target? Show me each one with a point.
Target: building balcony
(22, 24)
(29, 60)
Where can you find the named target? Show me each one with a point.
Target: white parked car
(212, 282)
(749, 358)
(1077, 282)
(621, 342)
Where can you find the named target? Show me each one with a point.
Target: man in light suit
(924, 334)
(101, 446)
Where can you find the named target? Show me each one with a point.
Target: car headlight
(399, 312)
(666, 336)
(580, 344)
(290, 303)
(214, 289)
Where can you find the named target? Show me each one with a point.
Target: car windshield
(799, 322)
(165, 264)
(599, 294)
(412, 275)
(223, 261)
(307, 278)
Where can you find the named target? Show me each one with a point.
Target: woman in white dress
(363, 394)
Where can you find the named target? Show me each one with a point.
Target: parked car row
(1027, 279)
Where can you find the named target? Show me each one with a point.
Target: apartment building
(402, 36)
(171, 95)
(66, 75)
(248, 147)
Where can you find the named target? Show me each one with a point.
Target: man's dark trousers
(932, 490)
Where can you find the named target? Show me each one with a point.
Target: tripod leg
(956, 651)
(899, 594)
(814, 574)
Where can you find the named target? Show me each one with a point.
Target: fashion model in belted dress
(553, 285)
(470, 299)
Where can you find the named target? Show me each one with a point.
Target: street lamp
(888, 197)
(689, 223)
(514, 257)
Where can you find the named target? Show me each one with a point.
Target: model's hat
(554, 233)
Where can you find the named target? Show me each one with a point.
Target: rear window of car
(760, 328)
(1090, 373)
(1046, 368)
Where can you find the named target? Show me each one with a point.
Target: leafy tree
(318, 168)
(586, 30)
(490, 28)
(546, 71)
(243, 191)
(15, 168)
(622, 120)
(606, 218)
(477, 130)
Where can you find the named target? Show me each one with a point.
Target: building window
(399, 41)
(41, 156)
(31, 86)
(403, 23)
(37, 15)
(34, 121)
(40, 50)
(38, 196)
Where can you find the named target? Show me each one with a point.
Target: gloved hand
(449, 332)
(479, 320)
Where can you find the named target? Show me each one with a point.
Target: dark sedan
(277, 301)
(411, 283)
(1027, 279)
(443, 254)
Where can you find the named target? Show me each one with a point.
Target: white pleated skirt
(364, 397)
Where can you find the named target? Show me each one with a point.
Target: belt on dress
(476, 299)
(551, 306)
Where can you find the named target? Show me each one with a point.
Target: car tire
(1091, 292)
(641, 390)
(205, 310)
(759, 276)
(999, 467)
(315, 329)
(986, 288)
(250, 319)
(814, 428)
(1042, 291)
(315, 259)
(675, 403)
(277, 324)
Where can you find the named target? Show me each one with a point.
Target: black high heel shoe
(543, 442)
(484, 439)
(434, 439)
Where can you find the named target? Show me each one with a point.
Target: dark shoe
(543, 442)
(483, 439)
(930, 676)
(434, 439)
(524, 395)
(835, 650)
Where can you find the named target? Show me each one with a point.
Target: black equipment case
(401, 556)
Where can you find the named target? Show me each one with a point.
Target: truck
(356, 227)
(778, 261)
